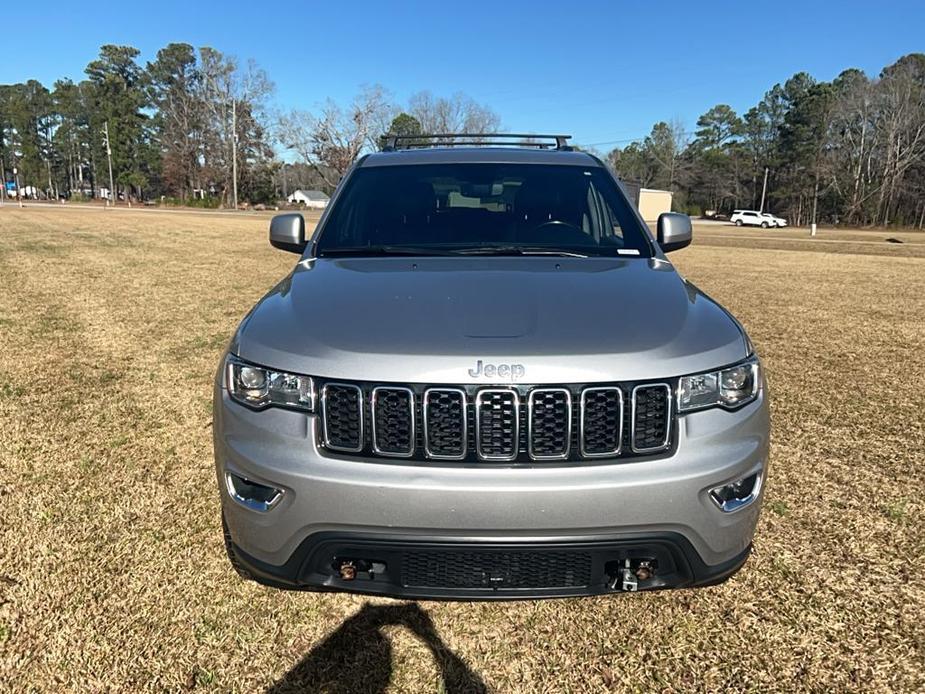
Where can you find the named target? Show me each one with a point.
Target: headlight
(729, 388)
(258, 387)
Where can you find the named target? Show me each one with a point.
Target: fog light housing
(738, 494)
(252, 495)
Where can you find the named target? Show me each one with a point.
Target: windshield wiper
(520, 250)
(380, 250)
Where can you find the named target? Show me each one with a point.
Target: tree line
(166, 127)
(195, 126)
(847, 151)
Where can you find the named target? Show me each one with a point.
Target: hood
(456, 320)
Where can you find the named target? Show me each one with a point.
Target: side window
(600, 222)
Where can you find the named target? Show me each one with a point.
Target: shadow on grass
(358, 656)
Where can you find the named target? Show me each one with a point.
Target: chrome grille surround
(513, 434)
(582, 435)
(325, 405)
(464, 428)
(379, 449)
(531, 412)
(668, 418)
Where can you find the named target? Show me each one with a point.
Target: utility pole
(764, 189)
(234, 151)
(112, 191)
(18, 189)
(812, 226)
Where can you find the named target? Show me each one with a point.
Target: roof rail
(392, 142)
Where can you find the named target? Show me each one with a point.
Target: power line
(615, 142)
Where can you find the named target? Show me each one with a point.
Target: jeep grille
(514, 424)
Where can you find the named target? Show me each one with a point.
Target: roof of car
(479, 155)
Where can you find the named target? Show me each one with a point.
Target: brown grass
(898, 244)
(112, 573)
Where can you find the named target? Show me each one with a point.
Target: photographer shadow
(358, 656)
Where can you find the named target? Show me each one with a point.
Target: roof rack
(391, 142)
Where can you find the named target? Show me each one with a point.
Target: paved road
(147, 210)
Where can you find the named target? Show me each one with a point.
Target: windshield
(491, 209)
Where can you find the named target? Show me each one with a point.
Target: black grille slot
(497, 424)
(550, 423)
(393, 421)
(651, 417)
(445, 423)
(343, 416)
(496, 569)
(601, 421)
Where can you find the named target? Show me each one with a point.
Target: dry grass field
(112, 571)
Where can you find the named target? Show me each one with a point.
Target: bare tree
(456, 114)
(851, 141)
(233, 102)
(901, 127)
(331, 141)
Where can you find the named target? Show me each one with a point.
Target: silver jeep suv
(483, 379)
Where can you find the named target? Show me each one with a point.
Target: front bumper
(477, 570)
(334, 509)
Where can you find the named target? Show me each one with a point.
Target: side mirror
(674, 231)
(287, 232)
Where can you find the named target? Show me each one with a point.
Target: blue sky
(603, 71)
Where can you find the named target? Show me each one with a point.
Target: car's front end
(450, 426)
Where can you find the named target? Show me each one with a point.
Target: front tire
(764, 225)
(738, 222)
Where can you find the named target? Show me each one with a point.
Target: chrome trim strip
(581, 426)
(568, 427)
(465, 429)
(668, 420)
(734, 505)
(393, 454)
(324, 416)
(252, 504)
(478, 424)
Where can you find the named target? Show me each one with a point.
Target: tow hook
(353, 569)
(348, 570)
(628, 576)
(645, 570)
(630, 583)
(625, 578)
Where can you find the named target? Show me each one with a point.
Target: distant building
(649, 201)
(27, 192)
(309, 198)
(653, 202)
